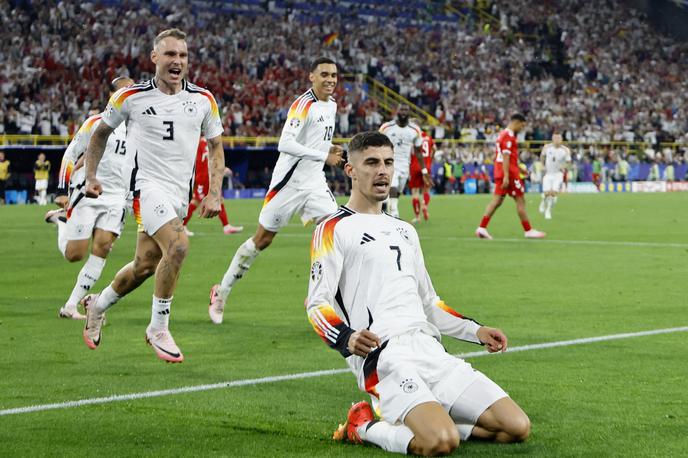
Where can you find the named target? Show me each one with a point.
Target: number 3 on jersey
(170, 130)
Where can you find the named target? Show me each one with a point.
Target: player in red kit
(508, 180)
(201, 186)
(416, 182)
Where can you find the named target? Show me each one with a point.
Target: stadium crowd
(623, 82)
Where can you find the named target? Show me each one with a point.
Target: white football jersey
(305, 142)
(114, 169)
(367, 272)
(555, 158)
(163, 132)
(404, 139)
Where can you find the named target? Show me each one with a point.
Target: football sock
(61, 236)
(88, 276)
(526, 225)
(223, 215)
(243, 258)
(192, 208)
(426, 198)
(549, 203)
(485, 221)
(416, 207)
(391, 438)
(554, 200)
(160, 314)
(394, 206)
(43, 198)
(107, 298)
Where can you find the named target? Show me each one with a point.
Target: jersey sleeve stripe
(323, 244)
(119, 97)
(90, 122)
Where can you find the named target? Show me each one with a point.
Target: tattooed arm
(210, 206)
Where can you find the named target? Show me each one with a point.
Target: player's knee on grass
(507, 421)
(517, 428)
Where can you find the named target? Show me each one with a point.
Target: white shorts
(310, 204)
(399, 179)
(86, 214)
(154, 207)
(552, 182)
(41, 185)
(415, 368)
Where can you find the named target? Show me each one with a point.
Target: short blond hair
(174, 33)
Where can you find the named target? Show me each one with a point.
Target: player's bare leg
(90, 272)
(417, 205)
(241, 263)
(504, 421)
(529, 232)
(129, 277)
(490, 210)
(434, 432)
(173, 245)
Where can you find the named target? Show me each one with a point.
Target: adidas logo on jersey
(150, 111)
(367, 238)
(321, 119)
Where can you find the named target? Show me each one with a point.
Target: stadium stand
(466, 64)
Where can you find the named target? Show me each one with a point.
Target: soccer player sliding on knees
(371, 298)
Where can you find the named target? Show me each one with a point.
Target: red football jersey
(202, 177)
(506, 142)
(428, 149)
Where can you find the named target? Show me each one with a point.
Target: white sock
(394, 206)
(88, 276)
(391, 438)
(548, 203)
(61, 236)
(43, 200)
(107, 298)
(554, 200)
(160, 315)
(241, 262)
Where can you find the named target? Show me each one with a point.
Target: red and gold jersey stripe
(299, 109)
(442, 305)
(323, 237)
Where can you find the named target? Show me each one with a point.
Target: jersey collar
(184, 83)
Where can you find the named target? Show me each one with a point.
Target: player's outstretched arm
(212, 203)
(94, 153)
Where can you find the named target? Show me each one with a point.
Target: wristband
(424, 171)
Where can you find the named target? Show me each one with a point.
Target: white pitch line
(537, 242)
(305, 375)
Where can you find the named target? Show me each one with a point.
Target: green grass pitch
(619, 398)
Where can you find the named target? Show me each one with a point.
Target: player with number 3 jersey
(165, 117)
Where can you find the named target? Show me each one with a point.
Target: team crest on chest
(190, 108)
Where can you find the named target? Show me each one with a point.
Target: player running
(165, 117)
(555, 157)
(417, 183)
(407, 140)
(85, 218)
(298, 184)
(508, 181)
(370, 298)
(201, 186)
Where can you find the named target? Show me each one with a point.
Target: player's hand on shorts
(494, 339)
(363, 342)
(93, 188)
(334, 156)
(61, 201)
(210, 206)
(505, 184)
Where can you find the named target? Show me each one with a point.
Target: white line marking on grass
(305, 375)
(545, 241)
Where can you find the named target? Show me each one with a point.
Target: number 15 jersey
(163, 132)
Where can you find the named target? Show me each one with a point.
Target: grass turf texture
(620, 398)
